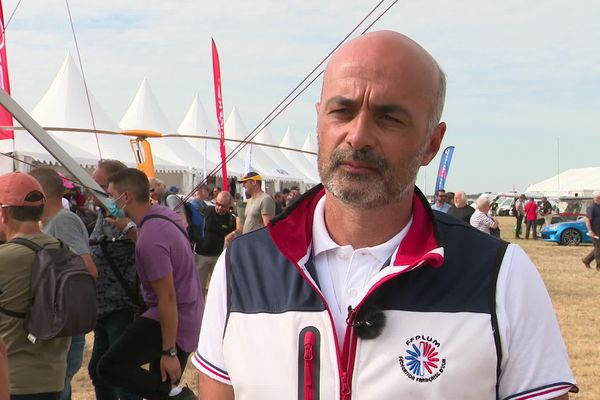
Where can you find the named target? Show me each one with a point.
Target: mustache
(367, 156)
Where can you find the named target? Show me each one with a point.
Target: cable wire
(276, 111)
(11, 17)
(87, 93)
(292, 96)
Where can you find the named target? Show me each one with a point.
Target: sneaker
(587, 264)
(186, 394)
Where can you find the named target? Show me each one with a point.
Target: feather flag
(5, 117)
(442, 174)
(219, 109)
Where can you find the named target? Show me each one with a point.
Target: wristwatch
(130, 225)
(171, 352)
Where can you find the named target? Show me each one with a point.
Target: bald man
(361, 291)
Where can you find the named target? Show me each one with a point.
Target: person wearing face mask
(70, 229)
(117, 289)
(165, 334)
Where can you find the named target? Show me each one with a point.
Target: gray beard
(383, 187)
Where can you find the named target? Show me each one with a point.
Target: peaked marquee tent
(582, 181)
(197, 123)
(61, 106)
(298, 159)
(65, 105)
(261, 161)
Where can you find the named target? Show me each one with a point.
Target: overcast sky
(523, 77)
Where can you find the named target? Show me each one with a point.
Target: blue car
(570, 233)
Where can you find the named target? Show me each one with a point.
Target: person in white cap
(592, 221)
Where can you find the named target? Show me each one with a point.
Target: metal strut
(51, 146)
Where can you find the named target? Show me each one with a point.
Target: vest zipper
(347, 355)
(309, 365)
(347, 358)
(309, 354)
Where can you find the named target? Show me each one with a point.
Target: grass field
(575, 293)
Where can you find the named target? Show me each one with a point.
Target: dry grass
(575, 292)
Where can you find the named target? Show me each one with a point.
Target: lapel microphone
(368, 322)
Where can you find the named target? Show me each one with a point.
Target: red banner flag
(5, 117)
(219, 105)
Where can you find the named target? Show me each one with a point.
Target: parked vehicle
(505, 205)
(569, 233)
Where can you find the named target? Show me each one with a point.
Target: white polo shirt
(344, 272)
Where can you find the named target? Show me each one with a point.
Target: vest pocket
(309, 353)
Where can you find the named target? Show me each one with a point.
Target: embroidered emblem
(421, 361)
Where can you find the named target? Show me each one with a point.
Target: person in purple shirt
(168, 330)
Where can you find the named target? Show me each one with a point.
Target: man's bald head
(400, 53)
(223, 201)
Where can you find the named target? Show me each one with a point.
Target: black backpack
(63, 294)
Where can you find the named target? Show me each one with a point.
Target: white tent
(61, 107)
(297, 159)
(582, 181)
(65, 105)
(261, 162)
(144, 113)
(196, 122)
(310, 144)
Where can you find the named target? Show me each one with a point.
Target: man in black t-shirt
(219, 222)
(546, 210)
(592, 220)
(461, 210)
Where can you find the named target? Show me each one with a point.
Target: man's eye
(390, 118)
(339, 111)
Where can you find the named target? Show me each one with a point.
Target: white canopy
(144, 113)
(65, 105)
(261, 162)
(578, 180)
(196, 122)
(62, 106)
(310, 144)
(297, 159)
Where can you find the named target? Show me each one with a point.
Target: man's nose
(360, 132)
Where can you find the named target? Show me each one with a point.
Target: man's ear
(317, 106)
(3, 216)
(433, 143)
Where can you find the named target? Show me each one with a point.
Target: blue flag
(442, 174)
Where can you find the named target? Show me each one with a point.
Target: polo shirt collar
(292, 232)
(322, 241)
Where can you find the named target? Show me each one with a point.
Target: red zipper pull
(346, 389)
(308, 352)
(309, 365)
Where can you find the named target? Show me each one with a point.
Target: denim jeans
(122, 364)
(74, 360)
(106, 332)
(36, 396)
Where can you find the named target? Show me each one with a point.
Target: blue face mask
(113, 209)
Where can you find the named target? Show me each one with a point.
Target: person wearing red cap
(37, 371)
(66, 226)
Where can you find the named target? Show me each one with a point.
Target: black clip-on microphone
(368, 322)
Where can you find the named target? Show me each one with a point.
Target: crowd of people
(354, 289)
(483, 216)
